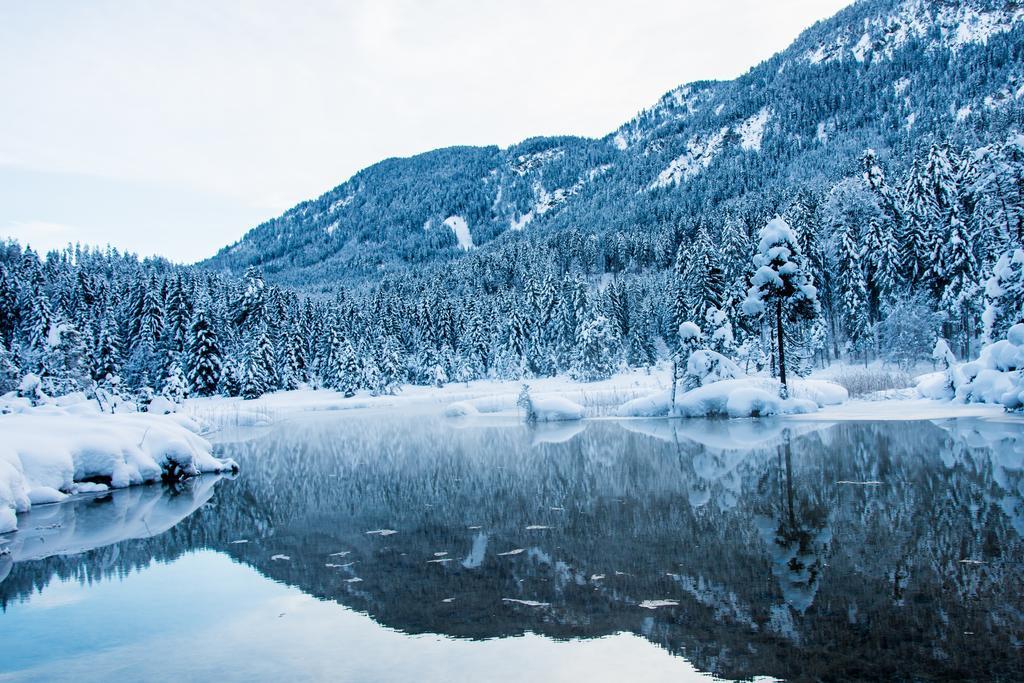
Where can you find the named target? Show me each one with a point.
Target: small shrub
(861, 381)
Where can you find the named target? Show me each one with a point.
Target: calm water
(381, 548)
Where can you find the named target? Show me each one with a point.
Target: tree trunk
(782, 349)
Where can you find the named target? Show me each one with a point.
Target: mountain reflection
(794, 550)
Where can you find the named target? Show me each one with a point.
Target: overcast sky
(172, 127)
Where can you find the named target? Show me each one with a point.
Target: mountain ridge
(877, 74)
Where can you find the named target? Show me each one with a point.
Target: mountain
(885, 74)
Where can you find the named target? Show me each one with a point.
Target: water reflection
(753, 547)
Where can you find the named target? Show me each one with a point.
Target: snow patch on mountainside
(1013, 90)
(964, 25)
(461, 229)
(525, 163)
(341, 203)
(957, 24)
(751, 131)
(521, 222)
(700, 152)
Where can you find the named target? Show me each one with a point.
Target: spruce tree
(596, 355)
(204, 362)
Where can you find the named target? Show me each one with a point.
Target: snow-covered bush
(707, 367)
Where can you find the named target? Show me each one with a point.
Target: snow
(700, 152)
(751, 131)
(525, 163)
(950, 26)
(527, 603)
(822, 134)
(521, 222)
(862, 48)
(655, 604)
(341, 203)
(900, 85)
(50, 450)
(744, 397)
(556, 409)
(996, 377)
(461, 229)
(962, 113)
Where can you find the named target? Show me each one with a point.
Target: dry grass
(862, 381)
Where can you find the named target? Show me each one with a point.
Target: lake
(374, 547)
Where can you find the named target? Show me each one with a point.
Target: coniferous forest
(897, 262)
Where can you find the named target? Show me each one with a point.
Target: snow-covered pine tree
(106, 360)
(882, 265)
(916, 239)
(959, 274)
(596, 355)
(203, 358)
(389, 366)
(174, 388)
(720, 334)
(250, 311)
(1004, 296)
(780, 286)
(231, 378)
(348, 375)
(260, 371)
(854, 292)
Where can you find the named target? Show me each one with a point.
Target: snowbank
(746, 397)
(53, 450)
(556, 409)
(997, 377)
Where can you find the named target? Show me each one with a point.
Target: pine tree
(106, 362)
(882, 261)
(389, 363)
(348, 375)
(174, 388)
(260, 372)
(854, 290)
(204, 362)
(780, 285)
(1004, 296)
(959, 274)
(596, 354)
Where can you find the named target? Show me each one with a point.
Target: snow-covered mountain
(893, 75)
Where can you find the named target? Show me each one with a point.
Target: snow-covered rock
(50, 451)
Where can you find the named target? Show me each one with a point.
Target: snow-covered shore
(603, 399)
(52, 451)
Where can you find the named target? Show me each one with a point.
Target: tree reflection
(793, 550)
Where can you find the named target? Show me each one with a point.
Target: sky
(172, 127)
